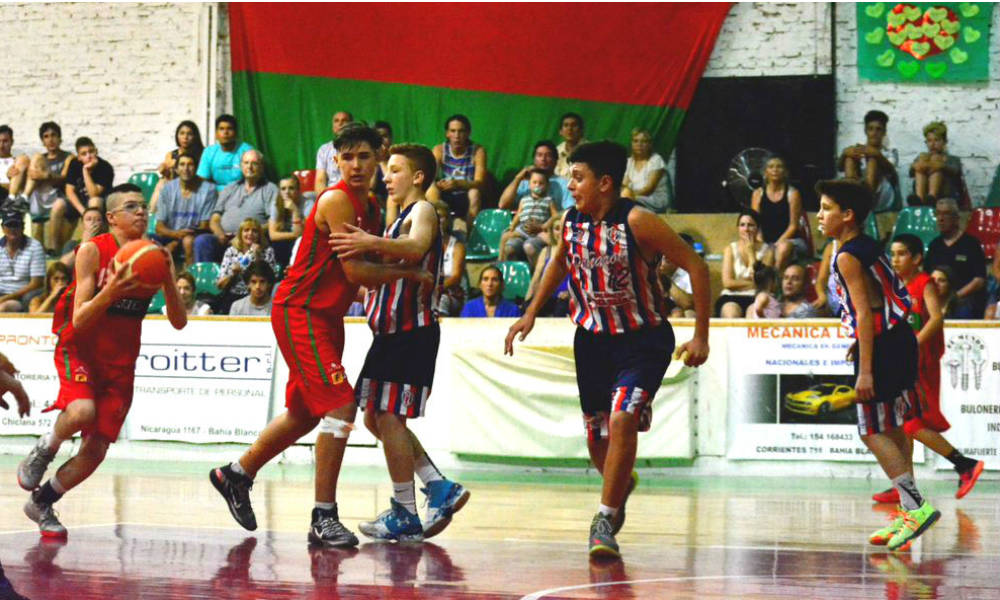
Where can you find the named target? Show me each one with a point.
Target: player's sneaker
(915, 522)
(444, 499)
(967, 479)
(602, 540)
(397, 523)
(45, 516)
(881, 537)
(32, 468)
(327, 530)
(7, 591)
(235, 488)
(619, 519)
(889, 496)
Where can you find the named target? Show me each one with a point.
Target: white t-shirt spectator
(201, 309)
(326, 160)
(244, 308)
(659, 200)
(17, 271)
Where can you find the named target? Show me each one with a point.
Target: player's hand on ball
(120, 285)
(693, 352)
(524, 325)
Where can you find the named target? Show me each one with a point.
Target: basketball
(147, 261)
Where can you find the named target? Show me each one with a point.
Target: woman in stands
(646, 174)
(738, 262)
(780, 208)
(284, 223)
(188, 139)
(248, 245)
(943, 276)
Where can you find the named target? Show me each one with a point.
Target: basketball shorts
(620, 373)
(312, 344)
(109, 386)
(399, 371)
(929, 398)
(894, 370)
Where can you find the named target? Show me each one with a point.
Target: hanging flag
(924, 42)
(513, 69)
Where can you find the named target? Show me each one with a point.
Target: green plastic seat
(516, 278)
(871, 227)
(156, 306)
(146, 180)
(484, 239)
(918, 220)
(205, 275)
(151, 227)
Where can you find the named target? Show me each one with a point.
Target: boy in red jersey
(396, 379)
(308, 321)
(98, 321)
(907, 253)
(610, 247)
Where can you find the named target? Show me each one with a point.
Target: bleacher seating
(151, 227)
(307, 179)
(516, 278)
(156, 306)
(484, 238)
(146, 180)
(984, 225)
(918, 220)
(205, 275)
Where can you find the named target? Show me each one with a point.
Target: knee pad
(336, 427)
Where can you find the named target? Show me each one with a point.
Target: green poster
(924, 42)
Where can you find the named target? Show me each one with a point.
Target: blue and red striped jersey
(895, 301)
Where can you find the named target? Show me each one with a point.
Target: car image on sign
(821, 399)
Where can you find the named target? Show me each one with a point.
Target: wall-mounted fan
(745, 174)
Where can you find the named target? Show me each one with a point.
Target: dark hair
(93, 209)
(197, 146)
(603, 158)
(849, 195)
(355, 133)
(571, 115)
(748, 212)
(948, 272)
(464, 120)
(125, 188)
(383, 125)
(186, 277)
(492, 268)
(420, 158)
(49, 126)
(183, 154)
(914, 245)
(260, 268)
(537, 171)
(55, 267)
(83, 142)
(876, 115)
(548, 144)
(226, 118)
(6, 129)
(763, 274)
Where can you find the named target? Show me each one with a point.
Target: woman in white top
(646, 174)
(737, 267)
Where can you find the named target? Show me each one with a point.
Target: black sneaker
(327, 530)
(235, 488)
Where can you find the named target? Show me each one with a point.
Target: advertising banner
(30, 344)
(970, 392)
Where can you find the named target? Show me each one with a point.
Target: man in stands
(964, 254)
(871, 163)
(260, 280)
(327, 171)
(220, 162)
(184, 208)
(249, 198)
(571, 130)
(545, 155)
(46, 185)
(22, 263)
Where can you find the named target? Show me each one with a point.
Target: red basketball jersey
(315, 279)
(115, 338)
(933, 351)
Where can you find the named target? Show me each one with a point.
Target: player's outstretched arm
(555, 272)
(88, 306)
(9, 383)
(656, 237)
(857, 290)
(410, 248)
(176, 313)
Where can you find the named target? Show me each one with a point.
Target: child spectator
(765, 304)
(186, 289)
(284, 223)
(46, 186)
(57, 277)
(248, 245)
(523, 240)
(93, 226)
(937, 174)
(491, 303)
(89, 176)
(259, 279)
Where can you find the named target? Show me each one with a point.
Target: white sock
(607, 511)
(327, 506)
(50, 441)
(405, 495)
(238, 468)
(56, 486)
(426, 470)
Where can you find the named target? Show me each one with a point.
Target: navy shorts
(894, 371)
(399, 371)
(620, 372)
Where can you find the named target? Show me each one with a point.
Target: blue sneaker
(397, 523)
(444, 499)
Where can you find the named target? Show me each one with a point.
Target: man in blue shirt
(220, 163)
(544, 158)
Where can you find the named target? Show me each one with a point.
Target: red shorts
(110, 387)
(312, 342)
(929, 396)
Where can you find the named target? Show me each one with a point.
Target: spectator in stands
(523, 239)
(571, 131)
(963, 254)
(461, 172)
(249, 198)
(57, 277)
(738, 261)
(8, 163)
(456, 280)
(544, 158)
(184, 208)
(646, 179)
(221, 162)
(187, 137)
(378, 187)
(187, 290)
(827, 301)
(491, 303)
(676, 283)
(88, 177)
(943, 277)
(327, 171)
(780, 208)
(259, 279)
(93, 225)
(936, 174)
(765, 304)
(248, 246)
(22, 263)
(873, 163)
(558, 304)
(794, 304)
(284, 223)
(46, 186)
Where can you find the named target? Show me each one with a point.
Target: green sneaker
(915, 522)
(619, 519)
(602, 541)
(881, 537)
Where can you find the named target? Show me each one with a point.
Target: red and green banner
(513, 69)
(924, 42)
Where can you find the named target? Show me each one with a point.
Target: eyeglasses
(132, 207)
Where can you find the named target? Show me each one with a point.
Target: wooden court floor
(141, 531)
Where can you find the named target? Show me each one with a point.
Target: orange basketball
(147, 261)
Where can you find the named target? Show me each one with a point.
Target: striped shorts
(879, 417)
(399, 371)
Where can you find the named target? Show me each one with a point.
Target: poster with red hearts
(923, 42)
